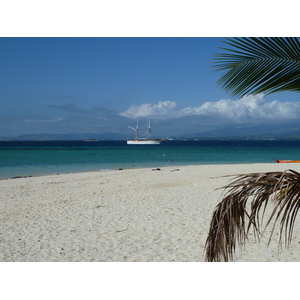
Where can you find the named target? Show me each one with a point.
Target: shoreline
(141, 214)
(134, 168)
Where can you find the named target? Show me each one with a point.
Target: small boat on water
(286, 161)
(143, 141)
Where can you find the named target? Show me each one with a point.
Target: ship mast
(149, 129)
(136, 129)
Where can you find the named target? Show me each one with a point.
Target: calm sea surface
(51, 157)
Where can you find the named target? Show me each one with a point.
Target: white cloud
(246, 109)
(162, 108)
(251, 108)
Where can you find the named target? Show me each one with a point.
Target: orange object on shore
(287, 161)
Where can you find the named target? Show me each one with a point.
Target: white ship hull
(143, 142)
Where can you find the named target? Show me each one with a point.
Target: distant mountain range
(276, 131)
(64, 137)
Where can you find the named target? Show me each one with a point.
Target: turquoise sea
(52, 157)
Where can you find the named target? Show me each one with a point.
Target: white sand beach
(130, 215)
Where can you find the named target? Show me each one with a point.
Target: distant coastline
(79, 138)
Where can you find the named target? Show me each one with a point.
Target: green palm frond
(255, 65)
(231, 221)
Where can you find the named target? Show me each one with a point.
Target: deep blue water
(50, 157)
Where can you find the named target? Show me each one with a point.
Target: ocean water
(52, 157)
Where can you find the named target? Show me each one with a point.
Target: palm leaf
(256, 65)
(231, 222)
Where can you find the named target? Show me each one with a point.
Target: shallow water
(51, 157)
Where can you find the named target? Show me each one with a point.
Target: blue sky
(101, 84)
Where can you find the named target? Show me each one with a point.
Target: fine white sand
(123, 215)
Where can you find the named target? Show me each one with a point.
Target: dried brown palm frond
(232, 219)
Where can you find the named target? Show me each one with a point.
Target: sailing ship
(143, 141)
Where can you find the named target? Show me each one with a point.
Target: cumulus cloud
(162, 108)
(246, 109)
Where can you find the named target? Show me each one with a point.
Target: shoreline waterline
(154, 167)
